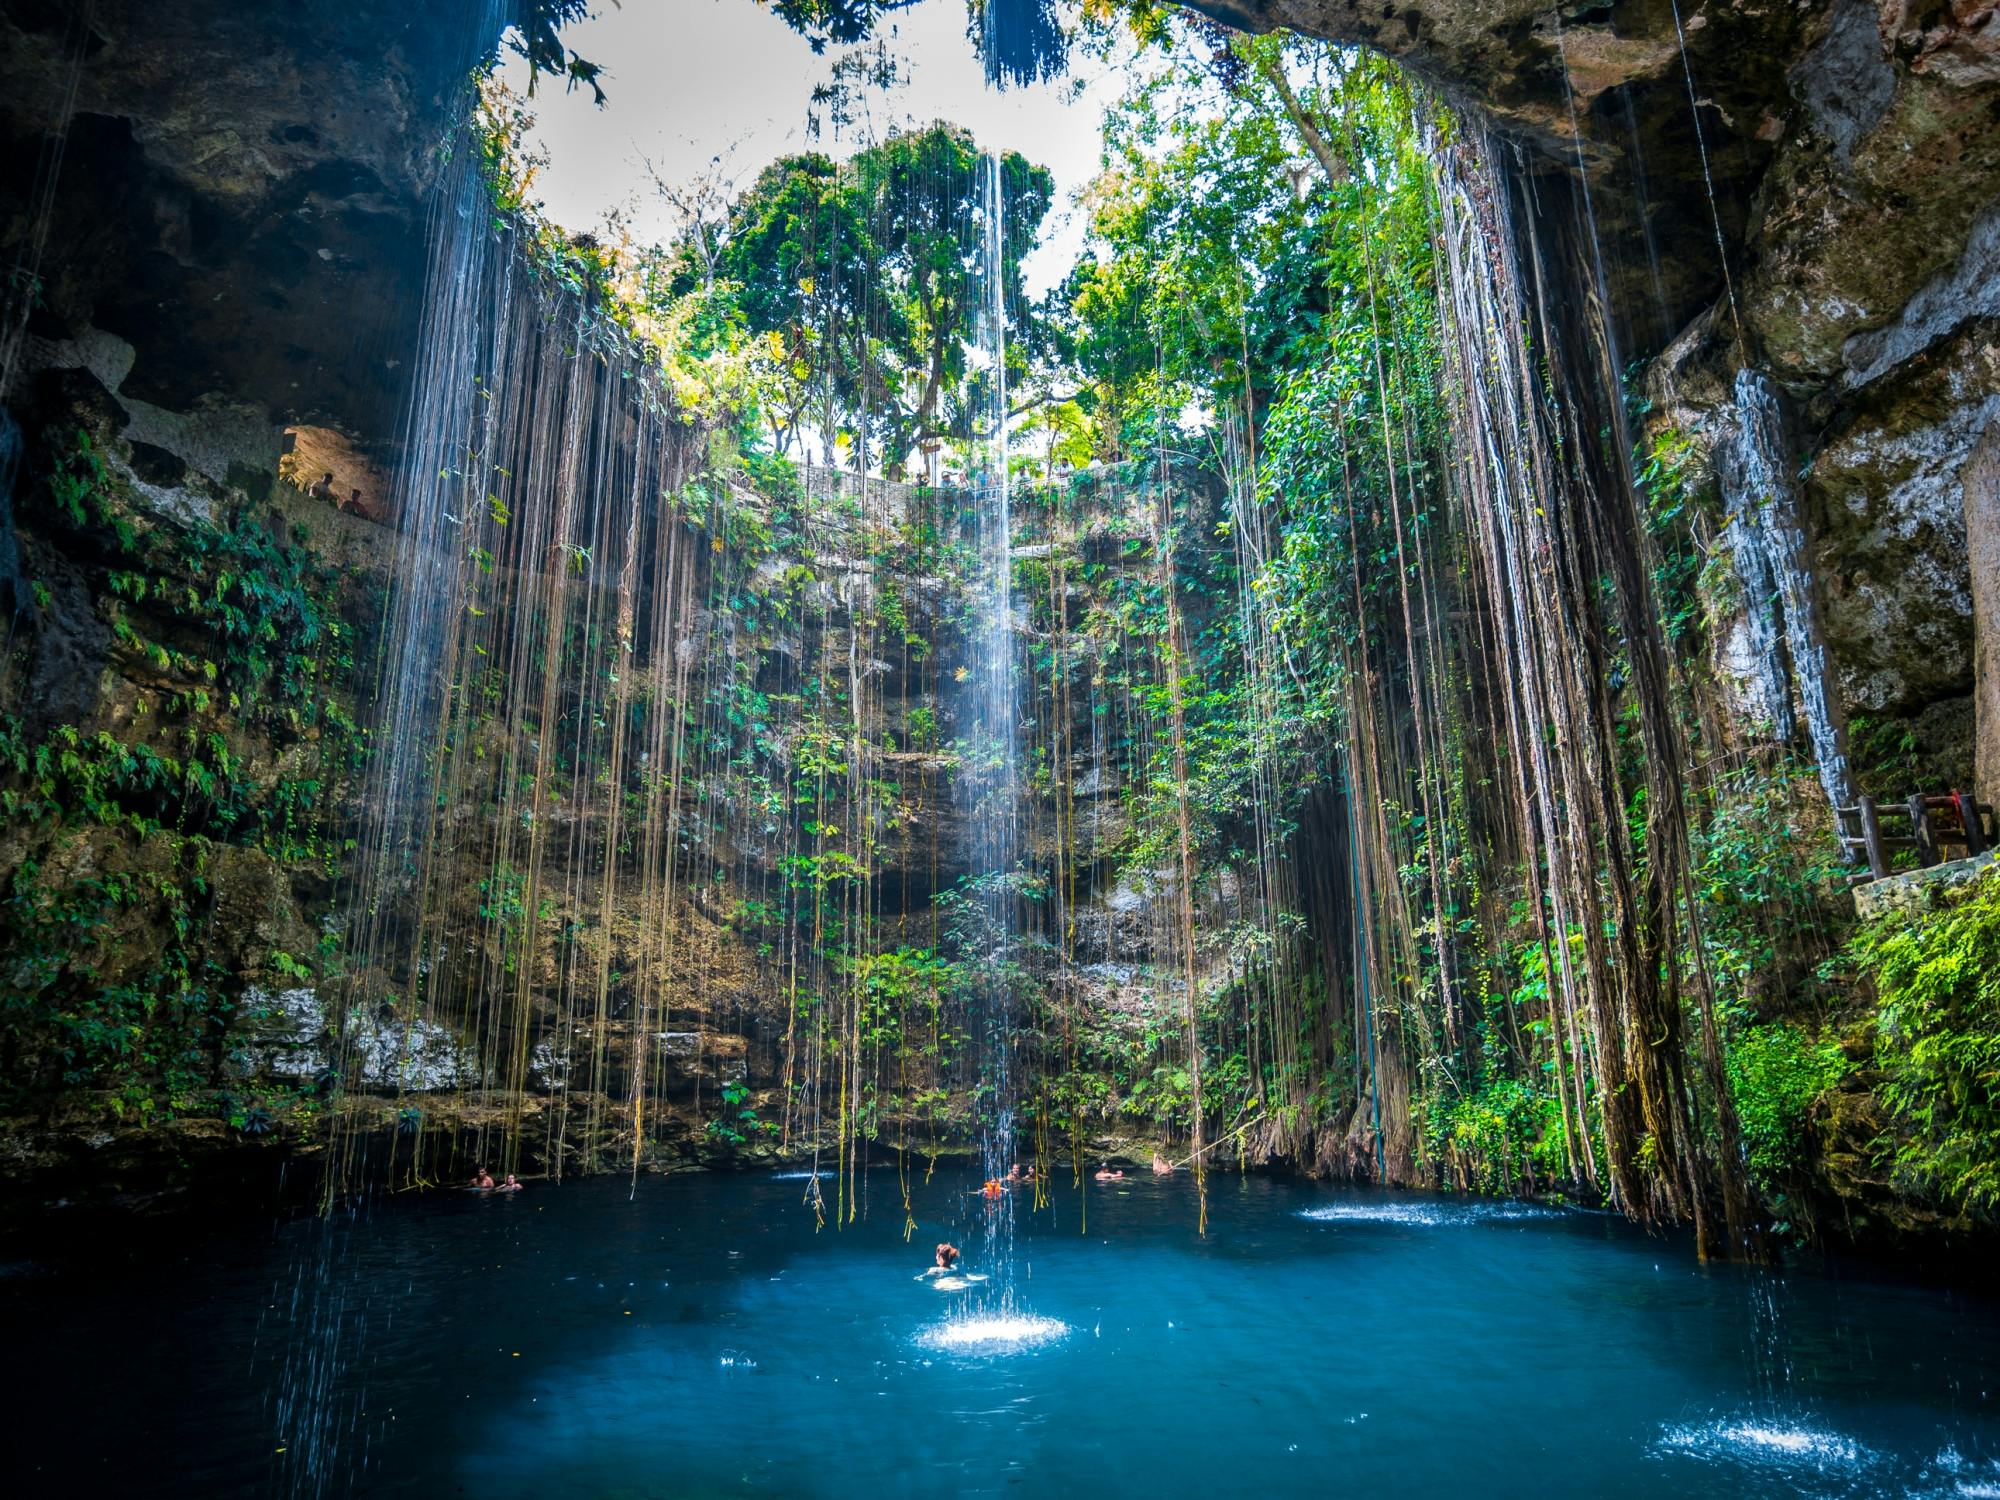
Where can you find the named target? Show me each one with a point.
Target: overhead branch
(1331, 161)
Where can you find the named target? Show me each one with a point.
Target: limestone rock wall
(1845, 154)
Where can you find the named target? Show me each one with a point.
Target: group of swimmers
(482, 1182)
(994, 1187)
(946, 1262)
(1161, 1168)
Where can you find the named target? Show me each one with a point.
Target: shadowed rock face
(1852, 144)
(1848, 161)
(1606, 87)
(239, 194)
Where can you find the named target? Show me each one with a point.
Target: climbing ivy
(1937, 1044)
(116, 974)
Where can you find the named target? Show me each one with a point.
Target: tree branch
(1331, 161)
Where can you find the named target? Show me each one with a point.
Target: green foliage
(1888, 762)
(856, 276)
(537, 36)
(739, 1120)
(1021, 41)
(1766, 878)
(1507, 1134)
(1937, 1044)
(1675, 503)
(1776, 1074)
(77, 1011)
(114, 972)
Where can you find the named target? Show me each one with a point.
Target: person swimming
(946, 1262)
(482, 1181)
(1105, 1174)
(511, 1185)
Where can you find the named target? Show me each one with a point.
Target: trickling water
(1769, 680)
(1767, 537)
(14, 593)
(536, 669)
(444, 467)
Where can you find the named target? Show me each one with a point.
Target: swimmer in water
(482, 1181)
(947, 1260)
(1105, 1174)
(511, 1185)
(1161, 1166)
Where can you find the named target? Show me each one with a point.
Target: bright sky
(690, 80)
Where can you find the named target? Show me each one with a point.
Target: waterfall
(1770, 682)
(1767, 539)
(995, 785)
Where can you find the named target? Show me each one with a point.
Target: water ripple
(1427, 1215)
(1766, 1443)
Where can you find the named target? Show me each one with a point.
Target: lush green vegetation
(1937, 1046)
(1393, 917)
(122, 972)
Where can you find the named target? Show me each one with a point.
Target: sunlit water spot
(793, 1176)
(1950, 1475)
(992, 1333)
(1765, 1443)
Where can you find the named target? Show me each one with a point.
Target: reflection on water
(1754, 1441)
(702, 1334)
(1426, 1213)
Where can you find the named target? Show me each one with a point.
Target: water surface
(702, 1336)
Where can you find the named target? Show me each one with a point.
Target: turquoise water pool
(701, 1336)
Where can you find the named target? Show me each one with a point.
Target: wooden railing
(1953, 820)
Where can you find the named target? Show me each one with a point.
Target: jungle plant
(1937, 1044)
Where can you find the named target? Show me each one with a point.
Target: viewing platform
(1936, 824)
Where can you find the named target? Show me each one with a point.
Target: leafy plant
(1937, 1044)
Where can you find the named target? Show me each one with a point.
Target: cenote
(1115, 747)
(700, 1336)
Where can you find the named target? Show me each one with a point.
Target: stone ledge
(1918, 890)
